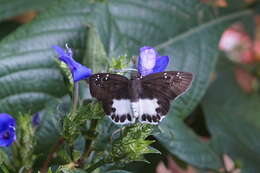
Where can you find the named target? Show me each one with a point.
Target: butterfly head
(135, 75)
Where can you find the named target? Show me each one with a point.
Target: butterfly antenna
(69, 50)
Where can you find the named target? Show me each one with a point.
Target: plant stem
(54, 149)
(88, 143)
(102, 162)
(85, 154)
(75, 97)
(96, 165)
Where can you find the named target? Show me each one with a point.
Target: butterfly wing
(158, 90)
(112, 91)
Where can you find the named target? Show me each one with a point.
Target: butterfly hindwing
(159, 89)
(112, 91)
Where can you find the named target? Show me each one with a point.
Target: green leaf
(179, 140)
(10, 8)
(118, 171)
(25, 144)
(133, 144)
(233, 119)
(106, 129)
(3, 156)
(28, 73)
(49, 131)
(95, 55)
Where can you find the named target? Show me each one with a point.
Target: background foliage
(187, 30)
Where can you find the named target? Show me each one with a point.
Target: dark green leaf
(233, 119)
(118, 171)
(49, 131)
(95, 56)
(105, 129)
(28, 74)
(3, 157)
(183, 142)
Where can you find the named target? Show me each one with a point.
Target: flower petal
(7, 129)
(81, 72)
(161, 64)
(7, 137)
(36, 119)
(146, 60)
(59, 51)
(5, 121)
(78, 71)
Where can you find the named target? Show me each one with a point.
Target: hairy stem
(102, 162)
(54, 149)
(75, 97)
(88, 143)
(96, 165)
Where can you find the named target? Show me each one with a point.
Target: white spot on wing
(135, 110)
(148, 106)
(123, 107)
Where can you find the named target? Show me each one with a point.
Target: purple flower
(36, 119)
(78, 71)
(7, 130)
(149, 61)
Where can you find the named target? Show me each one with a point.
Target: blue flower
(149, 61)
(36, 119)
(7, 130)
(78, 71)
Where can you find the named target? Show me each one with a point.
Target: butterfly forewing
(162, 87)
(174, 83)
(112, 91)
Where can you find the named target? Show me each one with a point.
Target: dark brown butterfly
(146, 99)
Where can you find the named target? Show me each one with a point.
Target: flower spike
(78, 71)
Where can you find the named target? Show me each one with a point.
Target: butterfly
(142, 98)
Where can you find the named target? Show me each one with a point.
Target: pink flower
(237, 44)
(230, 165)
(173, 167)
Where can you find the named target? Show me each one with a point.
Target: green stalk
(96, 165)
(75, 98)
(88, 142)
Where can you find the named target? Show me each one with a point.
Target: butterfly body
(144, 99)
